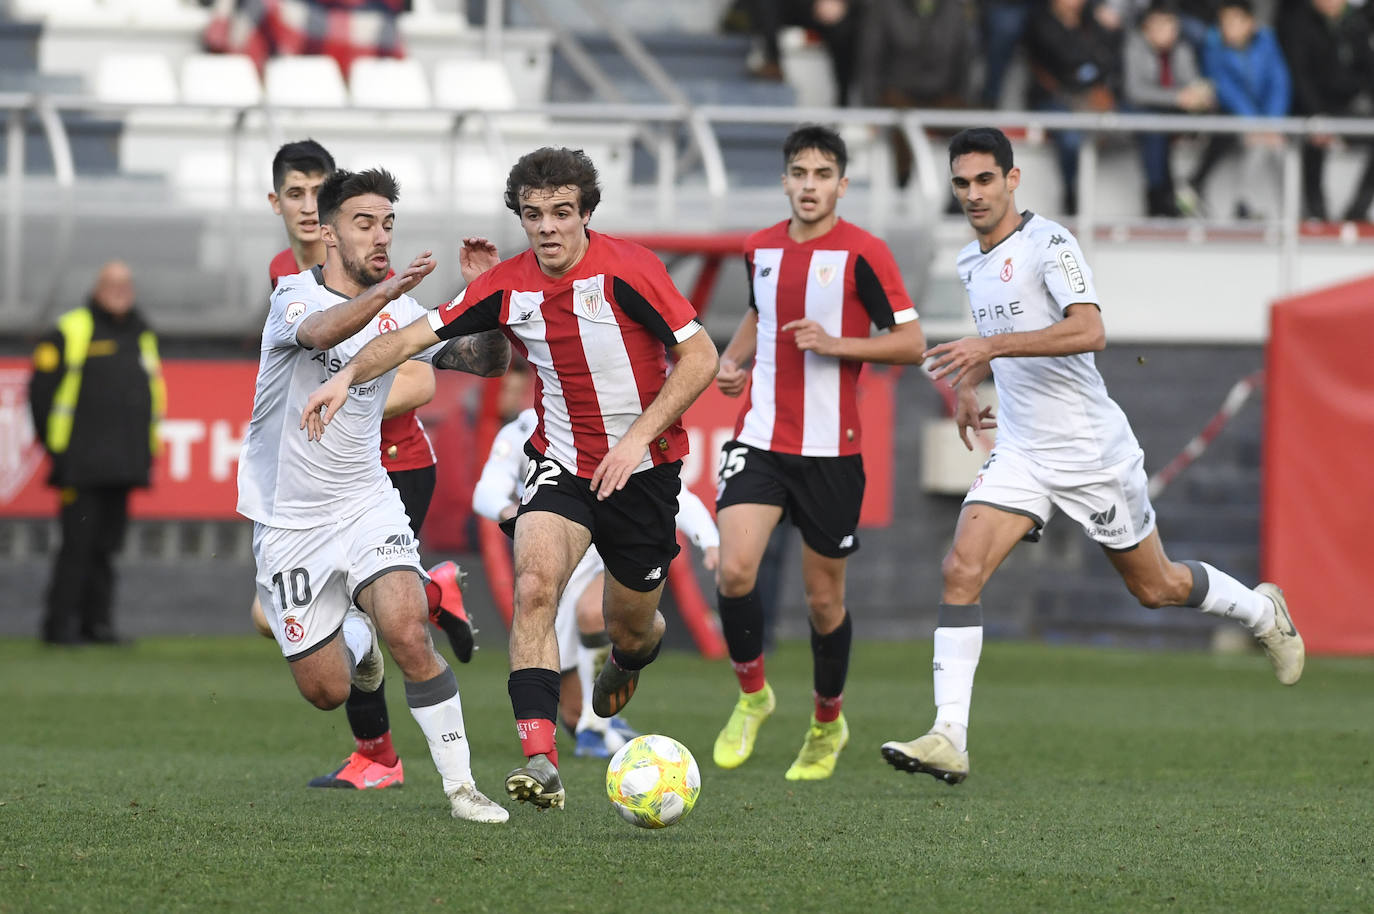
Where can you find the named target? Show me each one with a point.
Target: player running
(1062, 442)
(298, 170)
(595, 316)
(816, 284)
(329, 530)
(583, 644)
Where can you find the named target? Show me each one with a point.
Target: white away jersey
(286, 480)
(1052, 408)
(503, 483)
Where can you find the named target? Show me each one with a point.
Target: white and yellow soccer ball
(653, 781)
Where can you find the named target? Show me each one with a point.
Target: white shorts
(565, 623)
(1112, 504)
(307, 579)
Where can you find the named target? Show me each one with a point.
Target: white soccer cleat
(367, 675)
(471, 804)
(932, 754)
(1282, 643)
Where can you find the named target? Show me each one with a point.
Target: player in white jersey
(330, 531)
(579, 624)
(1062, 443)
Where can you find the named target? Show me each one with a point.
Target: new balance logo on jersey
(847, 542)
(765, 271)
(525, 315)
(654, 575)
(1103, 518)
(397, 544)
(1057, 239)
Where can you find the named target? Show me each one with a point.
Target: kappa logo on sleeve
(1073, 273)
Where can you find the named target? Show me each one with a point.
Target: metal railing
(665, 123)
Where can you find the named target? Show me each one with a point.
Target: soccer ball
(653, 781)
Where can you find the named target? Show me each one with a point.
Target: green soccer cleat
(1282, 643)
(735, 743)
(932, 754)
(537, 783)
(820, 751)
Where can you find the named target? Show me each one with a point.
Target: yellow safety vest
(77, 328)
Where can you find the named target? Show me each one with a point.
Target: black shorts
(820, 495)
(635, 529)
(416, 488)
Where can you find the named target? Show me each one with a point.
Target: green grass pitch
(170, 776)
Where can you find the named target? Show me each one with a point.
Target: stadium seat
(473, 83)
(220, 79)
(305, 81)
(386, 82)
(135, 79)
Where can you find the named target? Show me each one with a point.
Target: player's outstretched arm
(414, 387)
(696, 367)
(326, 329)
(732, 377)
(486, 354)
(904, 344)
(1081, 330)
(373, 360)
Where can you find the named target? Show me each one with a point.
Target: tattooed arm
(484, 354)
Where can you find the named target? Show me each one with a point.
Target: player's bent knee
(961, 574)
(325, 695)
(735, 578)
(1151, 596)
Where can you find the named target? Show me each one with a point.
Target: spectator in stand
(835, 21)
(1194, 17)
(1327, 45)
(1002, 23)
(1162, 76)
(1075, 65)
(1246, 67)
(914, 54)
(343, 29)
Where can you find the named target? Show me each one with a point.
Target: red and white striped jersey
(801, 402)
(597, 338)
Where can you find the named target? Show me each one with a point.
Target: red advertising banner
(208, 404)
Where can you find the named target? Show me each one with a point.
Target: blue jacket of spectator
(1252, 80)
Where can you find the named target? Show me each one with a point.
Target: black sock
(367, 712)
(533, 693)
(630, 663)
(741, 620)
(831, 655)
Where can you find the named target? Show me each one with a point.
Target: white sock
(1229, 598)
(438, 709)
(357, 638)
(587, 663)
(956, 658)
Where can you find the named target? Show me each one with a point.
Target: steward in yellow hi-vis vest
(97, 395)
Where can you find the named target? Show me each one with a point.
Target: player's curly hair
(551, 168)
(345, 185)
(983, 139)
(818, 137)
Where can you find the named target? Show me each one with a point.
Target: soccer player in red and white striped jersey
(595, 316)
(817, 283)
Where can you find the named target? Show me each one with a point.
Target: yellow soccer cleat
(735, 743)
(1282, 643)
(820, 751)
(932, 754)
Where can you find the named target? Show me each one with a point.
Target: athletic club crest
(825, 274)
(20, 455)
(1006, 271)
(590, 300)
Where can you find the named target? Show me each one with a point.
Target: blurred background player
(596, 316)
(96, 396)
(329, 531)
(1062, 442)
(817, 282)
(583, 645)
(298, 170)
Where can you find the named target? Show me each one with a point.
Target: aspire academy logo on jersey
(21, 454)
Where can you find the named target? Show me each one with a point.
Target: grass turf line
(171, 776)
